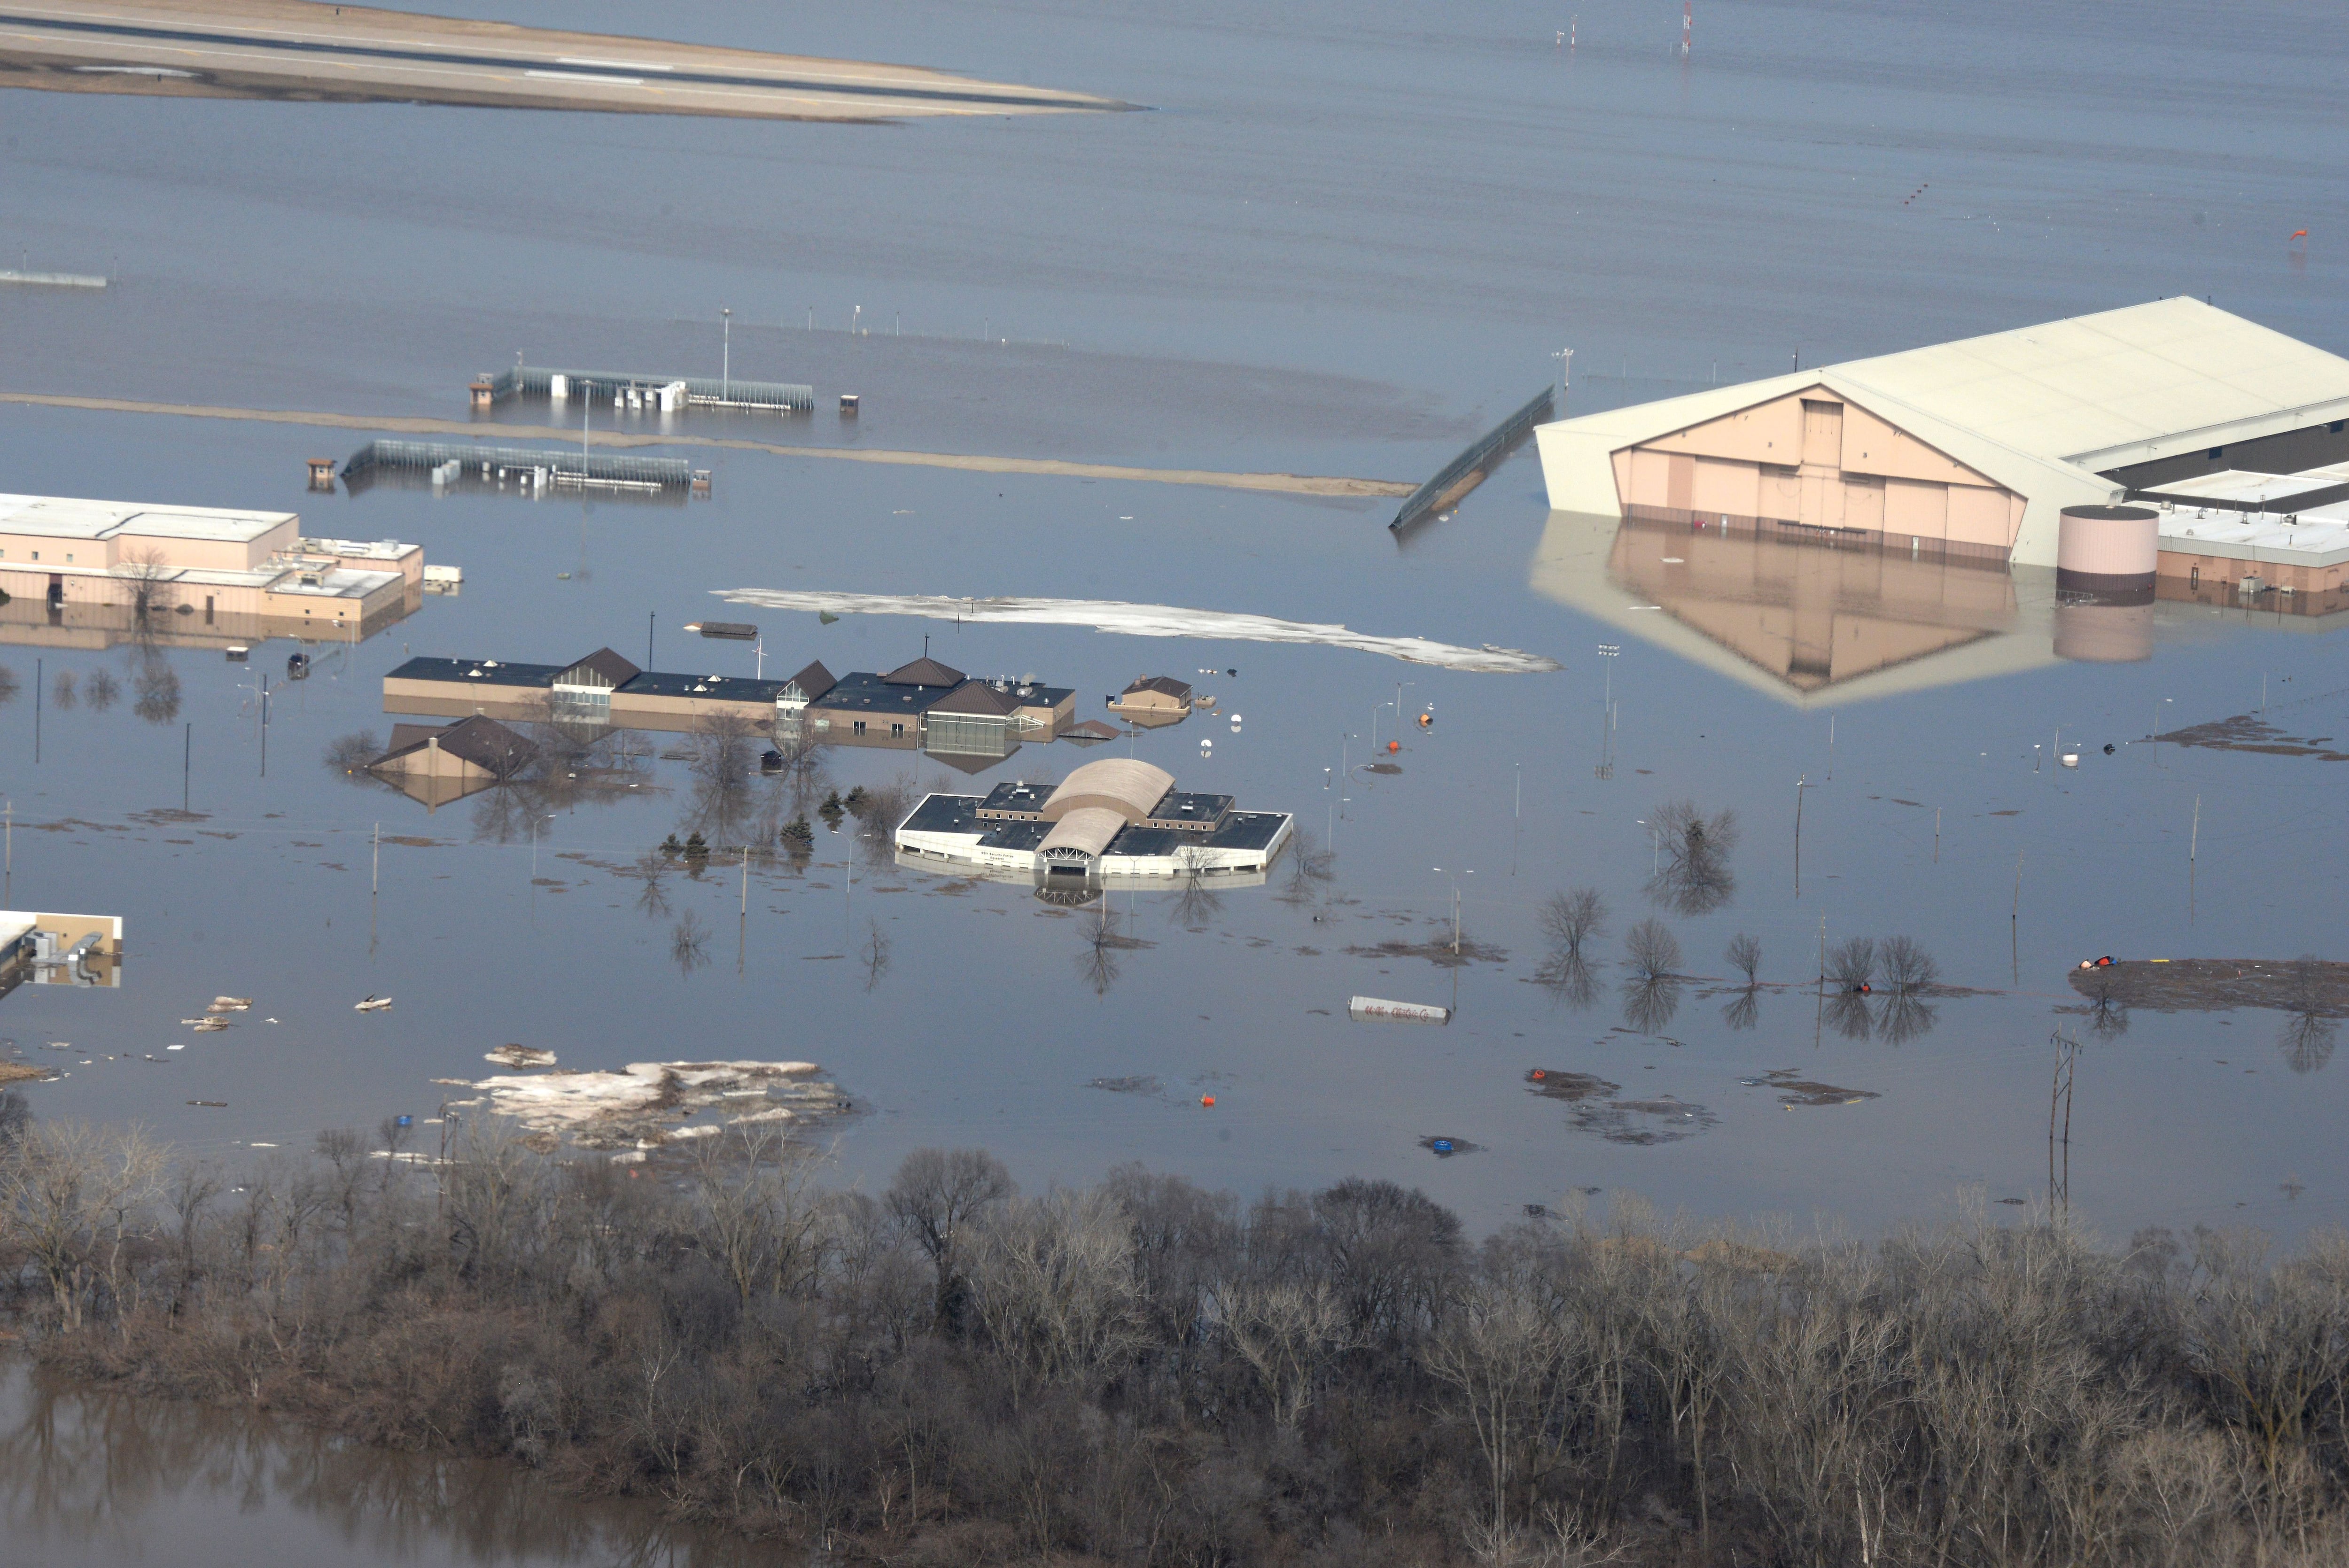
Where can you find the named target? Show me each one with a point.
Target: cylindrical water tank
(2107, 554)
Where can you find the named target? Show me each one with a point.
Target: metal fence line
(561, 466)
(708, 391)
(1447, 486)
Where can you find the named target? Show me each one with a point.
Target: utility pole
(375, 877)
(649, 616)
(187, 761)
(726, 360)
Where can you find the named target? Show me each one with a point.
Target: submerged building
(1117, 817)
(1951, 512)
(923, 705)
(91, 573)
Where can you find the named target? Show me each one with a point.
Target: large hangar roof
(2097, 389)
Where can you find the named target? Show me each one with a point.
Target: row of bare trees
(1145, 1371)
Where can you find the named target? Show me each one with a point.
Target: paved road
(296, 48)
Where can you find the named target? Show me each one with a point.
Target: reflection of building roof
(925, 671)
(602, 667)
(483, 742)
(1092, 732)
(1164, 686)
(976, 697)
(812, 682)
(1125, 785)
(1808, 623)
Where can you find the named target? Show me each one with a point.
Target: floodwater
(98, 1477)
(1338, 244)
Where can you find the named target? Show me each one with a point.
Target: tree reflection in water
(98, 1477)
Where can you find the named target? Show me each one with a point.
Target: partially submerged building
(1115, 818)
(1152, 701)
(1969, 448)
(925, 704)
(59, 950)
(437, 763)
(208, 567)
(1888, 524)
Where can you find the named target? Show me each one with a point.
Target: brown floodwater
(100, 1478)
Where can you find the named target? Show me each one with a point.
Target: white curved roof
(1123, 784)
(1086, 832)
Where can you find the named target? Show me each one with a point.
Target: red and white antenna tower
(1686, 20)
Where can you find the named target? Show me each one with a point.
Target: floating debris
(373, 1004)
(647, 1104)
(231, 1003)
(1644, 1123)
(2248, 732)
(1142, 1084)
(2313, 985)
(1571, 1087)
(214, 1104)
(1398, 1012)
(1793, 1090)
(24, 1072)
(1445, 1148)
(520, 1056)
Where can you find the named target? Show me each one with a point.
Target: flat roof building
(251, 572)
(1969, 449)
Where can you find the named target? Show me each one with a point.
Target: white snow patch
(1148, 621)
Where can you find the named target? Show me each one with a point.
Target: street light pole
(726, 354)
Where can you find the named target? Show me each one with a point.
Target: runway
(301, 50)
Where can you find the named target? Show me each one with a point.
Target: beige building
(1969, 449)
(205, 567)
(437, 763)
(1152, 701)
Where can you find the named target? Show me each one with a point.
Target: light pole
(726, 353)
(534, 821)
(1374, 725)
(1455, 877)
(1400, 686)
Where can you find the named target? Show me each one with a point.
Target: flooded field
(1336, 246)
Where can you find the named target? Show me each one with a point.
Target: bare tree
(756, 1215)
(1052, 1281)
(1907, 967)
(1745, 956)
(1499, 1351)
(651, 868)
(61, 690)
(1287, 1334)
(1653, 951)
(1692, 874)
(148, 572)
(156, 689)
(937, 1196)
(349, 754)
(71, 1196)
(875, 954)
(1569, 919)
(102, 689)
(1852, 963)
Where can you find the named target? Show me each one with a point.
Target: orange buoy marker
(1207, 1100)
(1393, 746)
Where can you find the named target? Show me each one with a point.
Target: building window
(896, 729)
(858, 728)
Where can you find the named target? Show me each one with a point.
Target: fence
(1467, 471)
(530, 465)
(708, 391)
